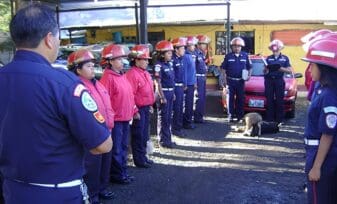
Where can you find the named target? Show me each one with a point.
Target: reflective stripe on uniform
(311, 142)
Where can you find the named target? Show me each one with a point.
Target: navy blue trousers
(201, 99)
(323, 191)
(140, 135)
(97, 168)
(17, 193)
(165, 119)
(236, 98)
(274, 92)
(189, 99)
(120, 134)
(178, 108)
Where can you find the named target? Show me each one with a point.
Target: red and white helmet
(315, 35)
(179, 42)
(140, 52)
(113, 51)
(323, 51)
(191, 40)
(70, 60)
(238, 41)
(276, 45)
(163, 46)
(203, 39)
(80, 56)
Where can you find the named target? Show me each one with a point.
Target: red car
(255, 100)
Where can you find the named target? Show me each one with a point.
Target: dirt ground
(213, 165)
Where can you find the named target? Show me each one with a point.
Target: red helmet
(315, 35)
(276, 45)
(113, 51)
(70, 60)
(163, 46)
(79, 56)
(203, 39)
(140, 52)
(191, 40)
(238, 41)
(179, 42)
(323, 51)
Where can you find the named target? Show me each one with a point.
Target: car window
(257, 67)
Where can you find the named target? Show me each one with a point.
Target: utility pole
(143, 21)
(228, 27)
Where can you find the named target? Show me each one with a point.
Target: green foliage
(5, 15)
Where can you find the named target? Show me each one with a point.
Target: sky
(325, 10)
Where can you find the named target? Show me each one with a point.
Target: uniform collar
(110, 71)
(138, 69)
(27, 55)
(234, 54)
(93, 81)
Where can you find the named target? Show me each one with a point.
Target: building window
(247, 36)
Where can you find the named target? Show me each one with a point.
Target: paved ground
(214, 165)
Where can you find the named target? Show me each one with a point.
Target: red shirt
(142, 86)
(102, 98)
(121, 95)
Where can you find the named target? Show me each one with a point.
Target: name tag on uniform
(167, 69)
(231, 60)
(178, 64)
(243, 60)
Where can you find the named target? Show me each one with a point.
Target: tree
(5, 15)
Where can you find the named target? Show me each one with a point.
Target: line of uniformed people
(128, 98)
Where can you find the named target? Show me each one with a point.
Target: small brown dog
(255, 126)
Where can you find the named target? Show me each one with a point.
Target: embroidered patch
(157, 68)
(79, 89)
(88, 102)
(330, 109)
(331, 120)
(99, 117)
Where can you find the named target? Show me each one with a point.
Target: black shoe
(178, 133)
(190, 126)
(149, 161)
(170, 146)
(145, 165)
(106, 194)
(122, 181)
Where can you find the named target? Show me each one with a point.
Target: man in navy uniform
(47, 117)
(274, 84)
(234, 66)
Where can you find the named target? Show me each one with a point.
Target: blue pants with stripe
(189, 99)
(165, 119)
(178, 108)
(140, 135)
(201, 99)
(236, 98)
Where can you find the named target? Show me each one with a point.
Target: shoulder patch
(330, 109)
(88, 102)
(79, 89)
(331, 120)
(99, 117)
(157, 68)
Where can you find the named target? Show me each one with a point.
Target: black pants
(274, 92)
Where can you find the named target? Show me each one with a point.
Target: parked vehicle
(255, 100)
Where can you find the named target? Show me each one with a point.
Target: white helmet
(276, 45)
(238, 41)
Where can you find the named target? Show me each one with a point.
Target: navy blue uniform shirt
(322, 119)
(281, 60)
(189, 59)
(235, 64)
(164, 70)
(201, 67)
(47, 118)
(179, 69)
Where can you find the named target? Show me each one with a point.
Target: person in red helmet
(164, 76)
(201, 73)
(81, 62)
(321, 127)
(142, 86)
(180, 84)
(123, 102)
(307, 40)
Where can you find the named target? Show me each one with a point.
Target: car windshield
(257, 67)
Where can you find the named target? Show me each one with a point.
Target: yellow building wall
(262, 33)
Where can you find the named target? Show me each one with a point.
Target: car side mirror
(298, 75)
